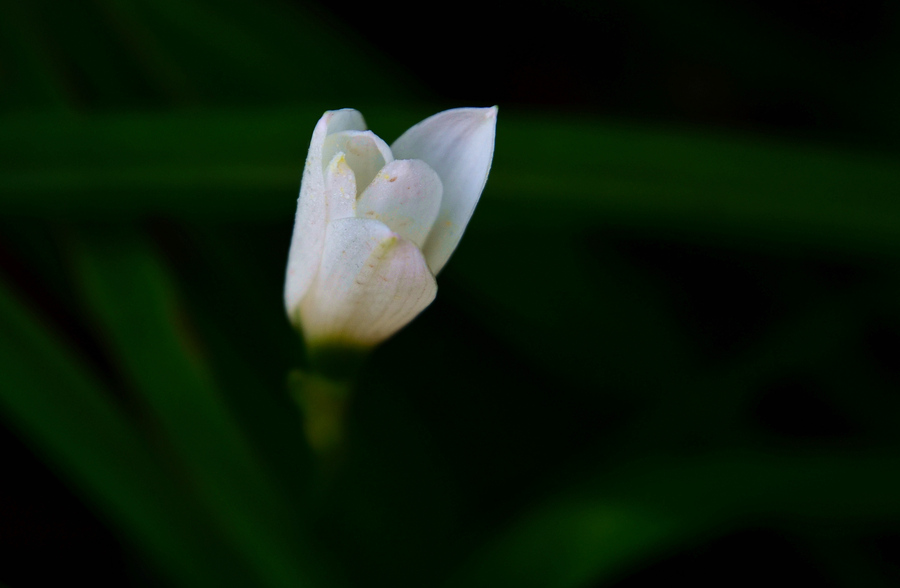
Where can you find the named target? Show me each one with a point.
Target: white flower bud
(375, 224)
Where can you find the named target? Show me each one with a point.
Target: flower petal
(406, 196)
(370, 284)
(459, 145)
(365, 151)
(310, 220)
(345, 119)
(340, 188)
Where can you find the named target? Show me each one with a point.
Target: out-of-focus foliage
(659, 351)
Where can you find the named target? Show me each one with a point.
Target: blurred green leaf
(558, 175)
(569, 545)
(595, 530)
(132, 299)
(48, 395)
(231, 286)
(132, 53)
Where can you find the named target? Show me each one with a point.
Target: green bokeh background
(667, 346)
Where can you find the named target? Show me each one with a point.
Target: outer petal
(310, 220)
(406, 196)
(459, 145)
(370, 284)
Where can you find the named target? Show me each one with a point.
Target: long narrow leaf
(250, 352)
(129, 293)
(68, 416)
(555, 173)
(595, 531)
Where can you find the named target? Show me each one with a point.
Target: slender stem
(323, 401)
(323, 392)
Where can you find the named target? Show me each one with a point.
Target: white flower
(375, 224)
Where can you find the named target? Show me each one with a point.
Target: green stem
(323, 401)
(323, 390)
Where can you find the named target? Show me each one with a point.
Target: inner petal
(340, 188)
(406, 196)
(365, 152)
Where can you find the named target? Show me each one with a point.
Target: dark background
(666, 348)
